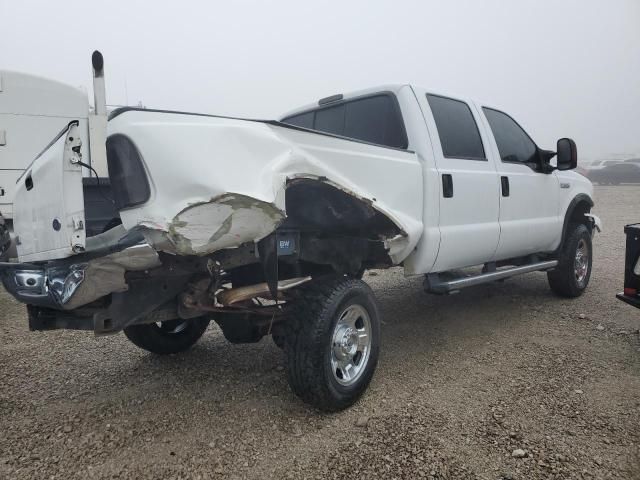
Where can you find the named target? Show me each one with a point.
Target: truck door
(529, 198)
(469, 185)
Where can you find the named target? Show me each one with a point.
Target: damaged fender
(219, 182)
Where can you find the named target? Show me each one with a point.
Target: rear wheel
(333, 342)
(171, 336)
(571, 277)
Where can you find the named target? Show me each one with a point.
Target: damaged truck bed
(225, 184)
(229, 181)
(266, 227)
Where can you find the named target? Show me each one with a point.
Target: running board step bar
(434, 284)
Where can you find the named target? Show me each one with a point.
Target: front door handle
(447, 185)
(504, 182)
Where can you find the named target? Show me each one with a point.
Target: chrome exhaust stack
(98, 119)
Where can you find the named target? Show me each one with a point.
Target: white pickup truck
(266, 227)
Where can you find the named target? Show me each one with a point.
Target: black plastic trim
(130, 187)
(581, 197)
(330, 99)
(447, 185)
(531, 165)
(504, 183)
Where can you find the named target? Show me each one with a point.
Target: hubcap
(351, 344)
(581, 262)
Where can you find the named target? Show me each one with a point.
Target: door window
(514, 145)
(457, 129)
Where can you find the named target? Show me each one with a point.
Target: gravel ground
(500, 381)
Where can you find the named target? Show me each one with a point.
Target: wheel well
(580, 205)
(334, 231)
(315, 205)
(577, 214)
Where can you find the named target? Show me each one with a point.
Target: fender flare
(578, 199)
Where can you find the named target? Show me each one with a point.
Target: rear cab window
(372, 119)
(457, 128)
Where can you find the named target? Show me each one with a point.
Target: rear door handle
(504, 182)
(447, 185)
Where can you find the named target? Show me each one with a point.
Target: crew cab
(266, 227)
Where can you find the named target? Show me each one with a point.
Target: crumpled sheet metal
(104, 275)
(219, 182)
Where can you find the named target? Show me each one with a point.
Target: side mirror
(567, 156)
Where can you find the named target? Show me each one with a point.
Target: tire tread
(561, 279)
(306, 338)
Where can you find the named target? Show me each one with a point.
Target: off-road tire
(563, 279)
(309, 341)
(155, 339)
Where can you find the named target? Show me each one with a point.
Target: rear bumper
(63, 285)
(50, 286)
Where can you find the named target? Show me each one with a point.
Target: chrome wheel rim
(581, 262)
(351, 345)
(172, 327)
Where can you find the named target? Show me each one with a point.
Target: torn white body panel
(223, 222)
(219, 182)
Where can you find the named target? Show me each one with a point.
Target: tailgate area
(49, 207)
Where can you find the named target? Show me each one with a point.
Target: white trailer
(33, 110)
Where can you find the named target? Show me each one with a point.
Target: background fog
(561, 68)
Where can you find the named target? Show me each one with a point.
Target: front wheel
(333, 342)
(571, 277)
(171, 336)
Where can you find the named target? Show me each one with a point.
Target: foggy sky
(561, 68)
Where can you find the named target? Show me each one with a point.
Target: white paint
(468, 221)
(191, 159)
(219, 182)
(56, 195)
(33, 110)
(466, 230)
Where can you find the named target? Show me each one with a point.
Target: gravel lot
(463, 382)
